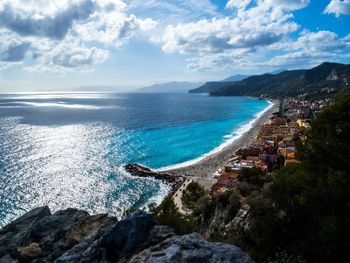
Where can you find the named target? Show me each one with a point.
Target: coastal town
(273, 147)
(270, 144)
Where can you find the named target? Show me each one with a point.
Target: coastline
(204, 166)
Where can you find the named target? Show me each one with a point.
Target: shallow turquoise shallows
(66, 150)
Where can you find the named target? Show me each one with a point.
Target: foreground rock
(74, 236)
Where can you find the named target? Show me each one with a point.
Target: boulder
(74, 236)
(128, 234)
(49, 226)
(18, 232)
(30, 252)
(191, 248)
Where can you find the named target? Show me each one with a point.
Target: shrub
(167, 214)
(192, 194)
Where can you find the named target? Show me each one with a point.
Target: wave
(230, 138)
(164, 189)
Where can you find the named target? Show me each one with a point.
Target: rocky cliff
(75, 236)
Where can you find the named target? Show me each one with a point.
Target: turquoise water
(66, 150)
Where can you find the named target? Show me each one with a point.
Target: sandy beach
(208, 165)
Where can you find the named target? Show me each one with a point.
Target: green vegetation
(192, 194)
(314, 82)
(343, 93)
(309, 210)
(253, 176)
(212, 86)
(194, 198)
(298, 214)
(167, 214)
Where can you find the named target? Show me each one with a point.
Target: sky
(125, 44)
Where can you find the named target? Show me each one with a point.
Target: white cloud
(114, 29)
(46, 29)
(75, 35)
(287, 4)
(66, 56)
(321, 41)
(338, 7)
(43, 18)
(284, 4)
(257, 34)
(228, 60)
(12, 49)
(238, 4)
(299, 59)
(257, 26)
(309, 49)
(173, 11)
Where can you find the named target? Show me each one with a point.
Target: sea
(68, 149)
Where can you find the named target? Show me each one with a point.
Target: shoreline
(203, 167)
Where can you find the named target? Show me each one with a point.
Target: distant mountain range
(212, 86)
(323, 80)
(169, 87)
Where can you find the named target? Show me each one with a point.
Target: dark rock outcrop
(191, 248)
(138, 170)
(73, 235)
(174, 181)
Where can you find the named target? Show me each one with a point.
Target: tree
(254, 176)
(328, 145)
(168, 214)
(192, 194)
(314, 197)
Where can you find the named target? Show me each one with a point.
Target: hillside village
(274, 147)
(274, 197)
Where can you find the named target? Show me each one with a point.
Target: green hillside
(321, 81)
(212, 86)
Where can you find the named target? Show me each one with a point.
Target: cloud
(65, 35)
(321, 41)
(257, 26)
(114, 29)
(75, 35)
(51, 21)
(228, 60)
(309, 49)
(338, 7)
(238, 4)
(260, 33)
(12, 49)
(218, 35)
(67, 56)
(284, 4)
(299, 59)
(288, 4)
(172, 11)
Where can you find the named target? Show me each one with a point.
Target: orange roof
(227, 176)
(290, 155)
(292, 161)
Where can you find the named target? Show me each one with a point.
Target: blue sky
(55, 45)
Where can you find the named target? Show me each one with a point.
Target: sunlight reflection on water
(63, 166)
